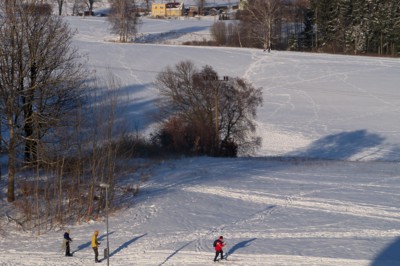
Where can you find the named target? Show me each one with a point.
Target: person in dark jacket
(67, 241)
(218, 248)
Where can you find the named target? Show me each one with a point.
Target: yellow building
(158, 10)
(167, 10)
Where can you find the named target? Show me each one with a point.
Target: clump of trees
(205, 114)
(40, 82)
(78, 6)
(59, 145)
(226, 34)
(338, 26)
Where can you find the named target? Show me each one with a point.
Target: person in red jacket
(219, 244)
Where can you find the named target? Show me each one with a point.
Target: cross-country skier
(67, 240)
(219, 244)
(95, 245)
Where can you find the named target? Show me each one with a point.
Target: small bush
(176, 137)
(219, 33)
(201, 43)
(228, 148)
(130, 147)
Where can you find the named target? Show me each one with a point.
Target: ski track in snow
(283, 90)
(188, 244)
(191, 247)
(164, 257)
(315, 204)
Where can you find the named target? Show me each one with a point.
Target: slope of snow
(315, 105)
(270, 212)
(339, 209)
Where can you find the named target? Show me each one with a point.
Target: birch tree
(124, 19)
(263, 15)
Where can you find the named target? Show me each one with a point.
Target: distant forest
(335, 26)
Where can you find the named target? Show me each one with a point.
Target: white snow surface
(322, 190)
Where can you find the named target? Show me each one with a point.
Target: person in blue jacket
(67, 240)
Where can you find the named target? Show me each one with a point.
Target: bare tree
(201, 4)
(11, 112)
(78, 7)
(90, 4)
(11, 83)
(216, 113)
(124, 18)
(41, 77)
(263, 15)
(219, 32)
(148, 6)
(60, 4)
(226, 34)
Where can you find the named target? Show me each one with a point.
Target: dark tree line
(360, 26)
(337, 26)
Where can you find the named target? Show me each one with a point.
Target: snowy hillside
(270, 212)
(279, 207)
(315, 105)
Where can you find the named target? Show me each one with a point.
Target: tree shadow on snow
(342, 146)
(390, 256)
(176, 252)
(393, 154)
(239, 245)
(170, 35)
(126, 244)
(135, 113)
(89, 243)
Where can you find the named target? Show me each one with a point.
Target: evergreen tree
(307, 36)
(390, 25)
(324, 11)
(357, 26)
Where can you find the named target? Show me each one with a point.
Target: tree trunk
(60, 6)
(11, 162)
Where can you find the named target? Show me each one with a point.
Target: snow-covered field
(278, 207)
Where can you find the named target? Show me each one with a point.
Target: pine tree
(357, 26)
